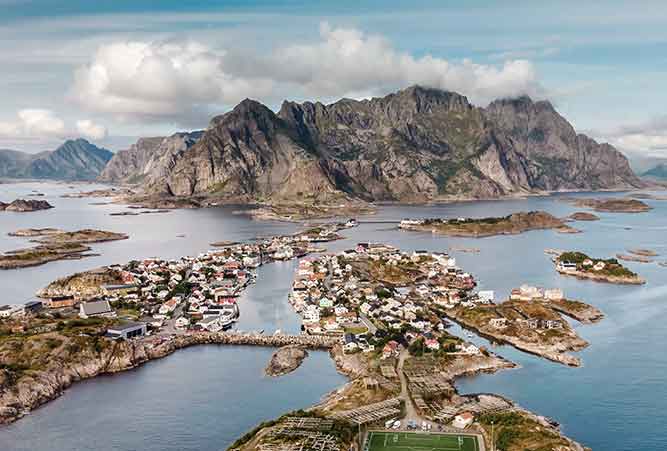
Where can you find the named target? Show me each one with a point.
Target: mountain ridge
(418, 144)
(75, 159)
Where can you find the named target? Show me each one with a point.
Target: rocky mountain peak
(417, 144)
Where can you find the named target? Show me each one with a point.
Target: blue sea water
(204, 398)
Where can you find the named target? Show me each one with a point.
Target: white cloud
(182, 80)
(40, 126)
(90, 129)
(33, 122)
(648, 138)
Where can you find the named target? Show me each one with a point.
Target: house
(211, 324)
(10, 310)
(486, 296)
(498, 323)
(182, 323)
(390, 349)
(553, 294)
(350, 343)
(32, 306)
(566, 266)
(406, 223)
(432, 344)
(61, 301)
(599, 266)
(126, 330)
(463, 420)
(95, 308)
(468, 348)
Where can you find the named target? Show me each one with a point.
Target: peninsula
(512, 224)
(53, 245)
(582, 266)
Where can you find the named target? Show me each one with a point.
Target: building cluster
(586, 265)
(352, 294)
(172, 296)
(529, 293)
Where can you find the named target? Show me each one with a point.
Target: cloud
(91, 130)
(186, 80)
(34, 122)
(648, 138)
(41, 127)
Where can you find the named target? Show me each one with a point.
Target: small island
(582, 266)
(611, 205)
(583, 216)
(53, 245)
(484, 227)
(285, 360)
(22, 205)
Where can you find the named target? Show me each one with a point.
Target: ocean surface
(204, 398)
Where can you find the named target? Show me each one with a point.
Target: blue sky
(116, 70)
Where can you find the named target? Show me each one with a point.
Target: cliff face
(148, 158)
(73, 160)
(415, 145)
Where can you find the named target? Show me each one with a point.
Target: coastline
(601, 278)
(48, 385)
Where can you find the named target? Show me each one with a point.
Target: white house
(463, 420)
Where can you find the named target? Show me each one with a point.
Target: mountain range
(658, 172)
(73, 160)
(418, 144)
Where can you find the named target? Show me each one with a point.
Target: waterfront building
(127, 330)
(95, 308)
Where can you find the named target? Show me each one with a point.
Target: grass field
(411, 441)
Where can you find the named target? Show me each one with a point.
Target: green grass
(415, 441)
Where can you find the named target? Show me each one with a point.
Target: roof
(96, 307)
(125, 325)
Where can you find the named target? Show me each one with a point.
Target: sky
(111, 71)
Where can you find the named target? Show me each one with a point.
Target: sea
(204, 398)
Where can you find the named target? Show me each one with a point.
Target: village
(382, 313)
(353, 295)
(166, 297)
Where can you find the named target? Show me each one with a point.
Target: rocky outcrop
(73, 160)
(418, 144)
(68, 364)
(23, 205)
(285, 360)
(148, 159)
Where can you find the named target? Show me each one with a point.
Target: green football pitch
(410, 441)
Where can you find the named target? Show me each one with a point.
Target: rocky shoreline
(285, 360)
(53, 245)
(587, 275)
(610, 205)
(43, 386)
(513, 224)
(555, 354)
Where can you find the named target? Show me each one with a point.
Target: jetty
(255, 339)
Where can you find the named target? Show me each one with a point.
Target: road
(410, 410)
